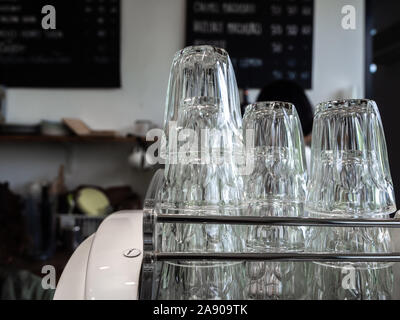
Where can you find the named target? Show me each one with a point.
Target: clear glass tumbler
(277, 184)
(204, 71)
(279, 173)
(350, 173)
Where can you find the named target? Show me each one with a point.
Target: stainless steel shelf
(281, 257)
(278, 221)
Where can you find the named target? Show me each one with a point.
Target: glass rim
(201, 49)
(268, 106)
(344, 104)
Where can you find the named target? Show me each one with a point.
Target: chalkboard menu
(82, 51)
(267, 40)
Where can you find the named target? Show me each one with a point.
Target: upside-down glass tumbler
(277, 184)
(279, 174)
(203, 134)
(350, 174)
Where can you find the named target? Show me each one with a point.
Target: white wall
(152, 31)
(338, 53)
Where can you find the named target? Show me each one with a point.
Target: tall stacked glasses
(350, 178)
(275, 187)
(216, 166)
(203, 150)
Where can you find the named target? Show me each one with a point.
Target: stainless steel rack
(151, 256)
(273, 256)
(278, 221)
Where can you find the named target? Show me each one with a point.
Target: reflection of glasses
(349, 283)
(349, 170)
(275, 280)
(153, 190)
(201, 281)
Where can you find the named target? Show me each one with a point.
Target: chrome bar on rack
(281, 257)
(278, 221)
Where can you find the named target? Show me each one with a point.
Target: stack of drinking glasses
(215, 166)
(350, 177)
(202, 151)
(276, 187)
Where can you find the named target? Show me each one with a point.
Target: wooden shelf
(69, 139)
